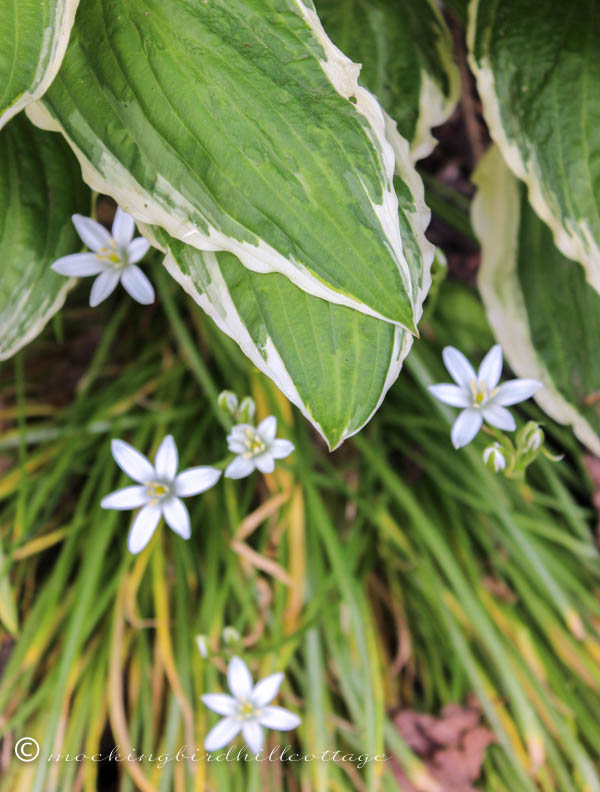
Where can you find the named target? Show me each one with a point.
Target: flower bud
(494, 458)
(246, 411)
(228, 402)
(533, 437)
(230, 636)
(202, 644)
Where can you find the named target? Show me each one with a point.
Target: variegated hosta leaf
(538, 70)
(40, 188)
(236, 125)
(541, 309)
(334, 363)
(406, 51)
(33, 38)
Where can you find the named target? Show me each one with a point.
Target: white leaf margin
(343, 74)
(495, 216)
(111, 178)
(575, 239)
(9, 343)
(420, 217)
(217, 303)
(51, 56)
(434, 106)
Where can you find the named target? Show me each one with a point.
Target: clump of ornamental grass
(397, 574)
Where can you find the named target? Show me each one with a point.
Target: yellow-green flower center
(479, 393)
(246, 709)
(111, 256)
(254, 444)
(156, 489)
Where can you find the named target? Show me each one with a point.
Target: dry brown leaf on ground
(452, 745)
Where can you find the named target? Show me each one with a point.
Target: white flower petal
(236, 439)
(177, 517)
(91, 233)
(137, 249)
(450, 394)
(239, 679)
(265, 462)
(132, 462)
(515, 391)
(253, 735)
(281, 448)
(166, 459)
(499, 462)
(195, 480)
(123, 228)
(494, 452)
(103, 286)
(499, 417)
(279, 718)
(239, 468)
(240, 430)
(137, 285)
(266, 690)
(142, 528)
(460, 369)
(267, 429)
(220, 702)
(221, 734)
(78, 265)
(466, 427)
(126, 498)
(236, 446)
(491, 367)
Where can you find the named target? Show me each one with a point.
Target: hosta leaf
(538, 69)
(33, 39)
(236, 125)
(334, 363)
(40, 188)
(407, 56)
(542, 310)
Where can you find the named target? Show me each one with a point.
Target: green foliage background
(394, 575)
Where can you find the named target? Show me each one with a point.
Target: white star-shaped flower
(246, 709)
(113, 258)
(256, 447)
(479, 393)
(159, 490)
